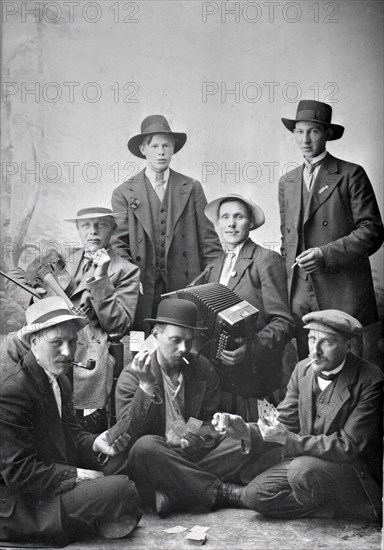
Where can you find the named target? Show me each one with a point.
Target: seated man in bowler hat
(105, 287)
(168, 399)
(257, 275)
(322, 455)
(53, 485)
(164, 229)
(330, 225)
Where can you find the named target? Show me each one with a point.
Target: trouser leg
(333, 488)
(155, 465)
(101, 499)
(305, 486)
(303, 300)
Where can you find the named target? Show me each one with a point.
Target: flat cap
(332, 321)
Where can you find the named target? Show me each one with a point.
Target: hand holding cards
(267, 412)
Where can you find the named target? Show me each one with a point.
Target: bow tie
(328, 377)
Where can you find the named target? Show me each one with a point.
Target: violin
(49, 272)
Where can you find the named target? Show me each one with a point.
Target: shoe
(230, 495)
(118, 528)
(164, 503)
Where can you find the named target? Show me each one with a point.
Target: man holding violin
(103, 286)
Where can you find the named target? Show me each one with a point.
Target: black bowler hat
(175, 311)
(314, 111)
(155, 124)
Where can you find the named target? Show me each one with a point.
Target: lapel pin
(134, 203)
(323, 189)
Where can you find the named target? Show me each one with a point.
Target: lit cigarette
(311, 361)
(293, 265)
(186, 360)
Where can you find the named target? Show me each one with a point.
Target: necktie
(328, 377)
(57, 393)
(228, 266)
(159, 186)
(310, 168)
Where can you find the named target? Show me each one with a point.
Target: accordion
(226, 315)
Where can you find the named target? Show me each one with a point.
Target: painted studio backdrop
(79, 77)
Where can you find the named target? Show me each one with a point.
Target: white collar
(151, 175)
(316, 159)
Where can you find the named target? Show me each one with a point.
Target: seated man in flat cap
(164, 229)
(257, 275)
(53, 487)
(323, 452)
(166, 401)
(106, 288)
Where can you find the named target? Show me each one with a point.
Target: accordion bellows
(226, 315)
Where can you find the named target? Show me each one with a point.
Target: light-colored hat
(93, 212)
(47, 313)
(332, 321)
(155, 124)
(212, 209)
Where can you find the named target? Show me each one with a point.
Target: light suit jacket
(191, 239)
(343, 219)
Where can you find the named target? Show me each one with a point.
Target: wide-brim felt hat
(212, 209)
(47, 313)
(155, 124)
(179, 312)
(333, 321)
(93, 212)
(314, 111)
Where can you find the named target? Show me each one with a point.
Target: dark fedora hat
(175, 311)
(155, 124)
(314, 111)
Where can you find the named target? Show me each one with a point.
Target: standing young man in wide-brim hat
(164, 229)
(330, 225)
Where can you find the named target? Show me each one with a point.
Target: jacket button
(162, 233)
(138, 258)
(184, 253)
(325, 223)
(162, 221)
(139, 240)
(187, 273)
(162, 211)
(288, 230)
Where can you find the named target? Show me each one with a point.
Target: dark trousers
(308, 486)
(155, 465)
(303, 300)
(102, 499)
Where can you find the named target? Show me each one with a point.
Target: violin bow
(24, 287)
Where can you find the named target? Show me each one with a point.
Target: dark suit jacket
(260, 279)
(39, 451)
(343, 219)
(353, 426)
(191, 239)
(146, 415)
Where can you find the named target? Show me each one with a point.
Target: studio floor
(242, 530)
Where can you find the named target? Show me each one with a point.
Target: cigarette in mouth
(185, 360)
(311, 361)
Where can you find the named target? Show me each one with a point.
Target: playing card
(150, 344)
(267, 412)
(193, 425)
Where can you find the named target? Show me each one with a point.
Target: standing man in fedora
(168, 399)
(164, 230)
(330, 225)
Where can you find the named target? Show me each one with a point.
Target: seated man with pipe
(322, 455)
(105, 286)
(53, 485)
(165, 401)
